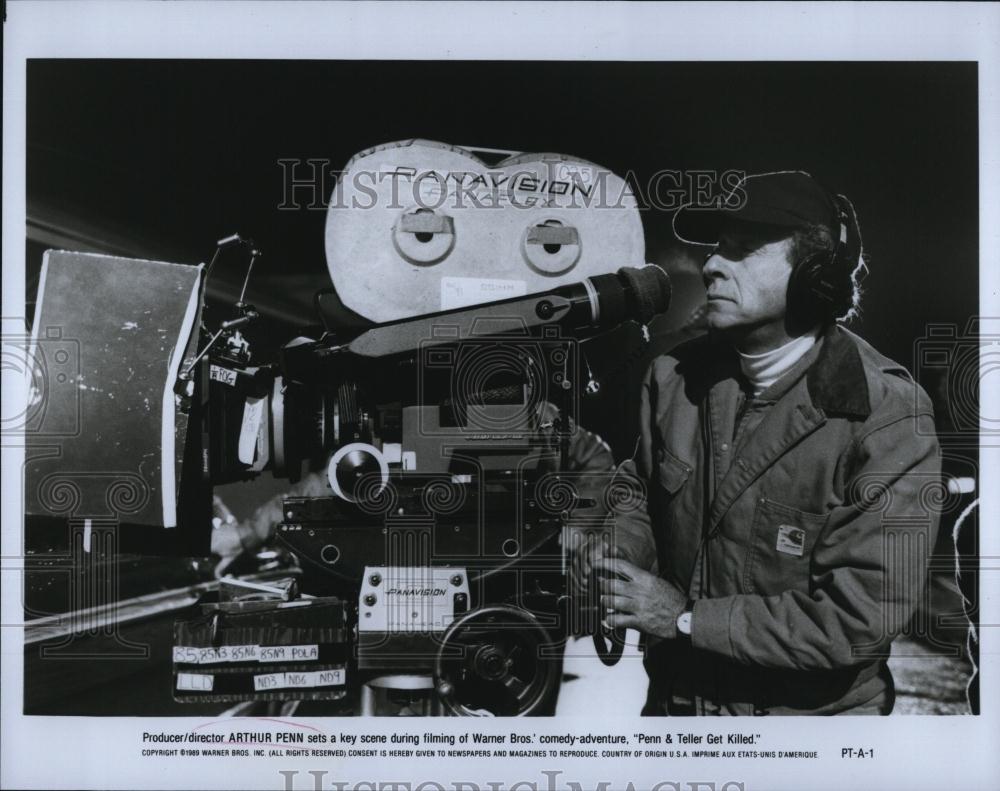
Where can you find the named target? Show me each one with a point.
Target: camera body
(440, 541)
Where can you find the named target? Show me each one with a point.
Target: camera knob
(550, 247)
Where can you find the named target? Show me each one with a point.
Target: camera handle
(244, 313)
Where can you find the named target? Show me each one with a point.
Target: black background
(177, 154)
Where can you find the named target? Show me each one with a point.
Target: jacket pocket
(672, 473)
(780, 548)
(668, 499)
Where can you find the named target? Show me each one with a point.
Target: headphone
(821, 283)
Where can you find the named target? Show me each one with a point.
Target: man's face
(747, 280)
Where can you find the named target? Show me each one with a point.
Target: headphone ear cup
(820, 287)
(809, 297)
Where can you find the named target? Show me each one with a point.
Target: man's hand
(639, 600)
(587, 549)
(230, 537)
(583, 551)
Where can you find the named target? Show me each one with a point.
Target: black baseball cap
(786, 199)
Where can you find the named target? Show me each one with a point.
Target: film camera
(437, 406)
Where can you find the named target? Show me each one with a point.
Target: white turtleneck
(763, 370)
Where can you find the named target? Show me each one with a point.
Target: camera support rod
(515, 317)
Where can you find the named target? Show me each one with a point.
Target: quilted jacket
(805, 545)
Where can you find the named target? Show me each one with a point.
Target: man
(783, 540)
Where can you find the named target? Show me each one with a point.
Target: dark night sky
(180, 153)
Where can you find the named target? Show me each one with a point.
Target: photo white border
(912, 752)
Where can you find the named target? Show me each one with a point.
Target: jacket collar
(836, 381)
